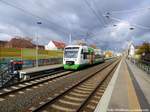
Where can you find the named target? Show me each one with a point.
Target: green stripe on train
(74, 67)
(78, 66)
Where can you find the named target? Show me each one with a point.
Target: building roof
(59, 45)
(20, 43)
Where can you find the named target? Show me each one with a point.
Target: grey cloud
(74, 16)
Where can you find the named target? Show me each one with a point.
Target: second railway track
(32, 82)
(28, 97)
(76, 97)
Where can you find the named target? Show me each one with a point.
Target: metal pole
(37, 51)
(21, 54)
(70, 38)
(37, 64)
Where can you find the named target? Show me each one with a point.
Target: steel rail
(51, 101)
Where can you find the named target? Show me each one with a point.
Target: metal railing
(144, 65)
(4, 75)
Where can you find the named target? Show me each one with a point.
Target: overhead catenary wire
(101, 14)
(130, 11)
(94, 12)
(131, 24)
(33, 15)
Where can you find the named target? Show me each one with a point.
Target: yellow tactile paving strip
(120, 95)
(132, 97)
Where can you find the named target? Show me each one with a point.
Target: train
(79, 56)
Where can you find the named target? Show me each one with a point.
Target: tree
(144, 48)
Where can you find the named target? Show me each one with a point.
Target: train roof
(76, 46)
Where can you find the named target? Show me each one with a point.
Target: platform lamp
(37, 64)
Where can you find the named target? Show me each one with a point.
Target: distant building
(108, 54)
(3, 43)
(40, 47)
(54, 45)
(19, 42)
(131, 51)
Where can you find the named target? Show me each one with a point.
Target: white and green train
(78, 56)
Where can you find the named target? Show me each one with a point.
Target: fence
(45, 57)
(4, 75)
(144, 65)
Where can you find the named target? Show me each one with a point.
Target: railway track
(36, 75)
(90, 104)
(76, 97)
(32, 82)
(28, 95)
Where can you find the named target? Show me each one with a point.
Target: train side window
(85, 55)
(82, 51)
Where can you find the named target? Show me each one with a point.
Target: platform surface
(40, 68)
(129, 92)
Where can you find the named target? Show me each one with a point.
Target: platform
(34, 71)
(128, 91)
(41, 68)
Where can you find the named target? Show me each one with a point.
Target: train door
(91, 55)
(84, 56)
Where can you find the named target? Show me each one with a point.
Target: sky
(84, 20)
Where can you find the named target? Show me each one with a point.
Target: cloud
(64, 17)
(5, 37)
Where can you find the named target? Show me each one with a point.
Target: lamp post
(37, 64)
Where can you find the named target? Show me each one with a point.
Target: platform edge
(104, 102)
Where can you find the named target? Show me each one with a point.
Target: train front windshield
(71, 52)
